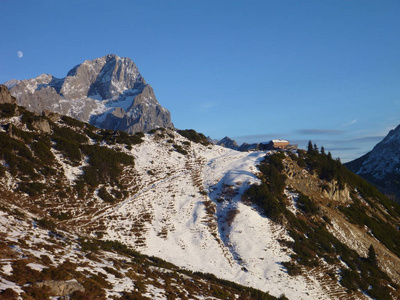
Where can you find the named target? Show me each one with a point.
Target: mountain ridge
(108, 92)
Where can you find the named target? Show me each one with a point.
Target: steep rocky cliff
(109, 92)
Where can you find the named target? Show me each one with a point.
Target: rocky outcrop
(61, 288)
(332, 191)
(5, 96)
(42, 125)
(109, 92)
(310, 184)
(51, 115)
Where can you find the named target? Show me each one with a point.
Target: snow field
(197, 230)
(39, 244)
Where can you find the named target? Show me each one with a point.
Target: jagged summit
(108, 92)
(104, 78)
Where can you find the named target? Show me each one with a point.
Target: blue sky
(328, 71)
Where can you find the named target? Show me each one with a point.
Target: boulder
(5, 96)
(61, 288)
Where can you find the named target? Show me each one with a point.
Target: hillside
(295, 223)
(39, 261)
(56, 173)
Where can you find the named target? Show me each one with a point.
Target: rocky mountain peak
(108, 92)
(102, 78)
(381, 165)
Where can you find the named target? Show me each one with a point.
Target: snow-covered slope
(382, 165)
(189, 212)
(53, 264)
(108, 92)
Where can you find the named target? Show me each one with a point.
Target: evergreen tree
(329, 156)
(372, 256)
(310, 149)
(322, 150)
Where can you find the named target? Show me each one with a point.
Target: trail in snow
(243, 248)
(125, 202)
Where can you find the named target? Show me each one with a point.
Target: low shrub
(46, 224)
(69, 147)
(32, 188)
(28, 118)
(69, 134)
(36, 292)
(193, 136)
(105, 196)
(24, 135)
(7, 110)
(269, 194)
(23, 274)
(41, 148)
(8, 294)
(104, 165)
(72, 122)
(153, 131)
(179, 149)
(307, 205)
(292, 269)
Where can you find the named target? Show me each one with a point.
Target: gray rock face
(61, 288)
(108, 92)
(5, 96)
(42, 125)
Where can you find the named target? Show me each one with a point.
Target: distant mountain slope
(108, 92)
(381, 166)
(228, 143)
